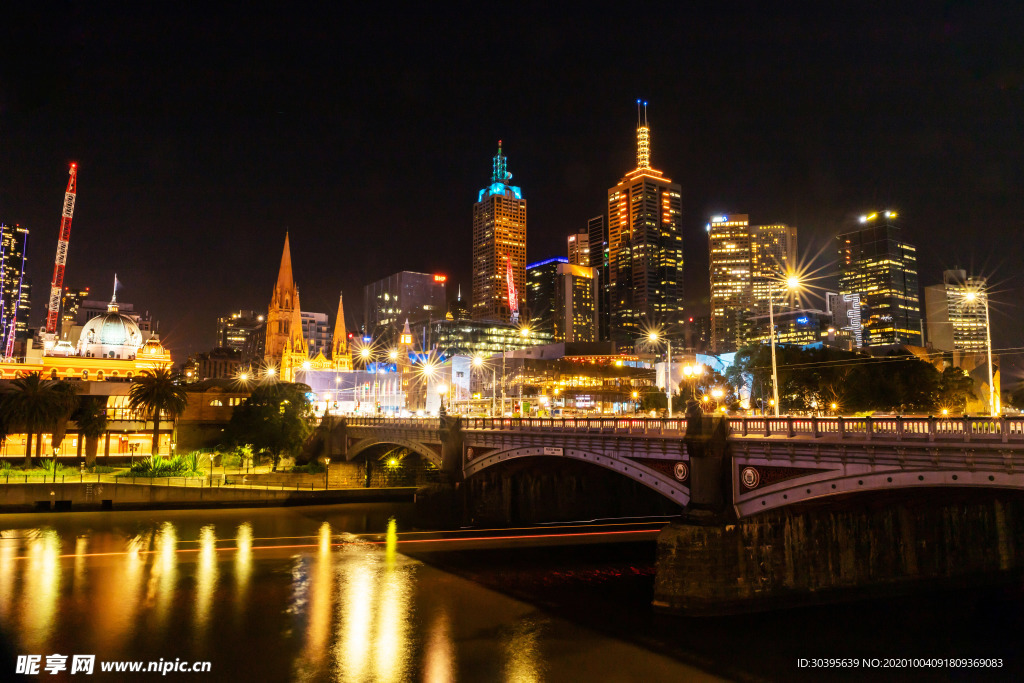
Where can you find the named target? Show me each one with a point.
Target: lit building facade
(499, 238)
(575, 304)
(472, 337)
(773, 253)
(876, 263)
(955, 322)
(540, 295)
(234, 329)
(579, 248)
(730, 275)
(846, 316)
(389, 302)
(598, 241)
(70, 304)
(15, 290)
(645, 249)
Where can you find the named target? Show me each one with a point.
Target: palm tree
(32, 403)
(156, 392)
(66, 399)
(92, 423)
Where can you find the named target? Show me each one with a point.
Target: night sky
(202, 136)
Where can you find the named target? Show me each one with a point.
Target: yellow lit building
(499, 237)
(645, 248)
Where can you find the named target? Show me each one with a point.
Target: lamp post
(792, 282)
(327, 473)
(971, 297)
(654, 336)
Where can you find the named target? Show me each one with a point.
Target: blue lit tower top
(499, 178)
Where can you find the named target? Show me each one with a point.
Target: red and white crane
(53, 310)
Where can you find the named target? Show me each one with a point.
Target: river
(282, 594)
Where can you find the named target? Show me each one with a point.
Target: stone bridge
(764, 463)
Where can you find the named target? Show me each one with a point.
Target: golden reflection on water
(523, 655)
(439, 658)
(8, 551)
(320, 608)
(164, 573)
(243, 564)
(40, 589)
(118, 594)
(206, 576)
(373, 636)
(78, 582)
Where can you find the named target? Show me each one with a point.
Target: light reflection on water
(322, 606)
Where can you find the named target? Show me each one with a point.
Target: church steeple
(284, 291)
(279, 314)
(339, 343)
(297, 343)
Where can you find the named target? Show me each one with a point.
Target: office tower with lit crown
(645, 247)
(499, 239)
(598, 243)
(14, 290)
(579, 248)
(955, 312)
(730, 277)
(876, 263)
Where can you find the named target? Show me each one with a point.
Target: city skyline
(202, 205)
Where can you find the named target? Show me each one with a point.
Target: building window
(85, 374)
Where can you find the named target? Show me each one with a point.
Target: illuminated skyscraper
(598, 243)
(499, 238)
(954, 321)
(877, 264)
(645, 247)
(730, 275)
(70, 302)
(14, 289)
(747, 265)
(579, 248)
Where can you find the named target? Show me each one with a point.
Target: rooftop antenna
(643, 136)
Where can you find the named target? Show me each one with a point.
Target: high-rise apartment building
(575, 303)
(579, 248)
(955, 312)
(234, 329)
(645, 248)
(499, 240)
(748, 265)
(876, 263)
(389, 302)
(14, 289)
(316, 330)
(597, 227)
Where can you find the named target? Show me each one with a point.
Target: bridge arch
(418, 448)
(666, 486)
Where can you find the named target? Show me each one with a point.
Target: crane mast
(53, 310)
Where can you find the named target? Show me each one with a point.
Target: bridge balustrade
(885, 428)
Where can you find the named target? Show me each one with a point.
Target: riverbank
(79, 496)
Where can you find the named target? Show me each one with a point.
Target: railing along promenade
(215, 482)
(884, 428)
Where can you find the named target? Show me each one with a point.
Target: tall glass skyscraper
(876, 263)
(14, 286)
(645, 248)
(499, 238)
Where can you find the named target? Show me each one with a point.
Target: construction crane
(53, 310)
(513, 296)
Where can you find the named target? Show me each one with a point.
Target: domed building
(111, 335)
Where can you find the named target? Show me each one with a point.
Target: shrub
(102, 469)
(158, 467)
(314, 467)
(52, 467)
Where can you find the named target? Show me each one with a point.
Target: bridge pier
(826, 552)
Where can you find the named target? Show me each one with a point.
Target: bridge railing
(881, 428)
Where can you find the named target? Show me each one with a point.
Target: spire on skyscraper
(499, 172)
(643, 136)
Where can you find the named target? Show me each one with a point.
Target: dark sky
(203, 134)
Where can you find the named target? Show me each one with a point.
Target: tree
(66, 399)
(276, 418)
(154, 393)
(955, 387)
(92, 423)
(32, 403)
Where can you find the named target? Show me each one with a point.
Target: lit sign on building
(440, 278)
(406, 339)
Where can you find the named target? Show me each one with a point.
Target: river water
(303, 594)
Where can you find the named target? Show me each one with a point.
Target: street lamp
(973, 297)
(442, 389)
(327, 473)
(653, 337)
(792, 283)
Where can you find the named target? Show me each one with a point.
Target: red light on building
(440, 278)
